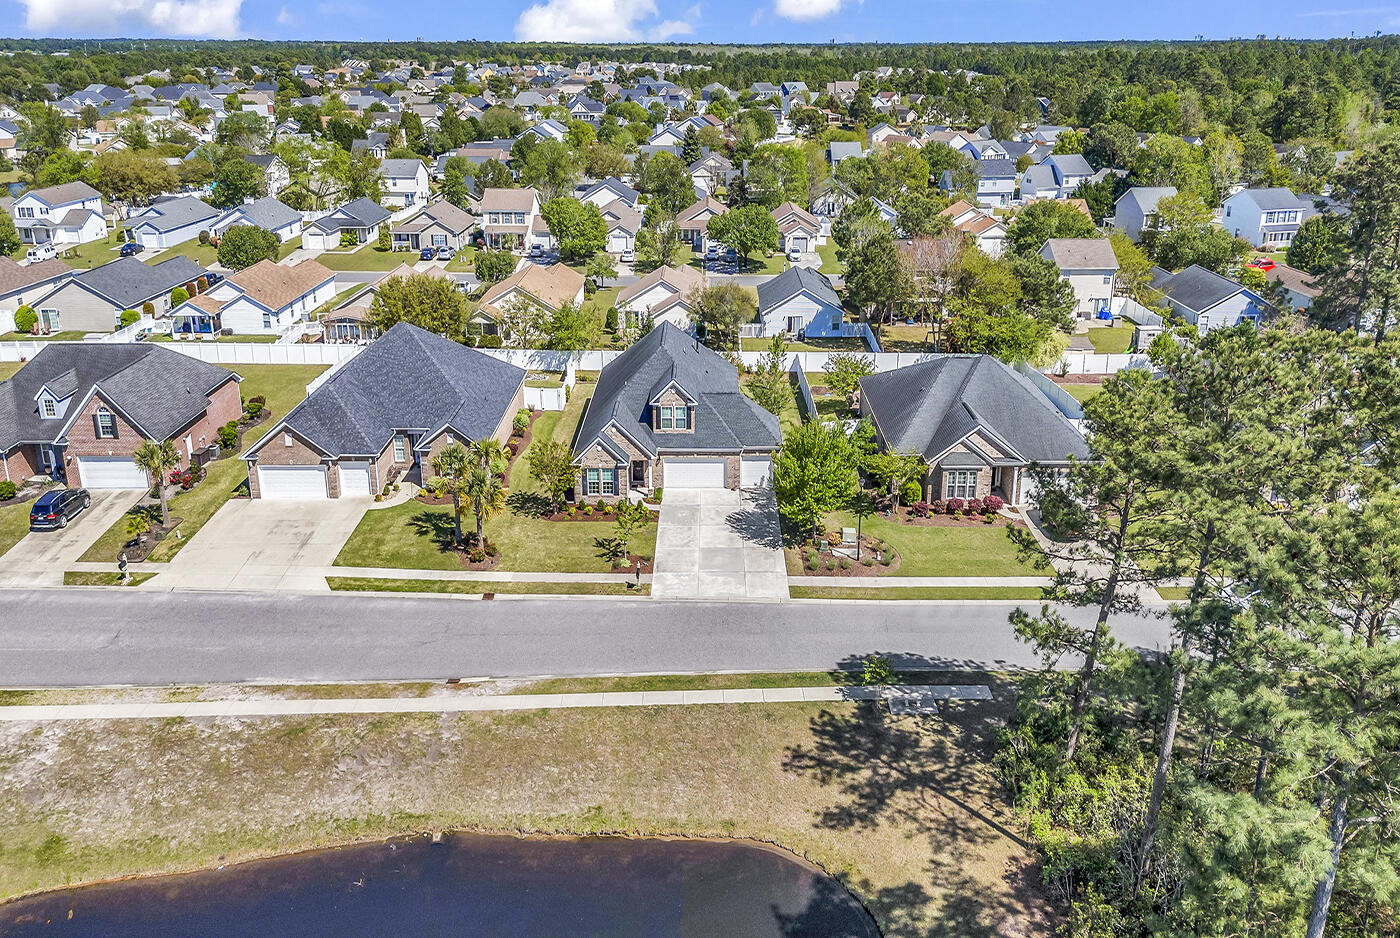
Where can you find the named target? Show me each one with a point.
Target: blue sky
(694, 20)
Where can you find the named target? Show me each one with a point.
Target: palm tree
(487, 495)
(156, 459)
(451, 466)
(490, 453)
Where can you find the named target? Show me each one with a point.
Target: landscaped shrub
(588, 510)
(610, 320)
(845, 563)
(178, 296)
(600, 505)
(201, 284)
(974, 506)
(253, 408)
(955, 506)
(7, 490)
(919, 509)
(476, 555)
(520, 423)
(129, 317)
(491, 549)
(811, 559)
(992, 504)
(489, 341)
(203, 237)
(911, 492)
(571, 511)
(938, 506)
(25, 319)
(228, 435)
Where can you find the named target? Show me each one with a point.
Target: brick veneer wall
(275, 452)
(20, 465)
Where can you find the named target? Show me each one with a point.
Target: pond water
(469, 884)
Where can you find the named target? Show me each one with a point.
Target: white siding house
(800, 301)
(70, 213)
(1090, 267)
(1265, 216)
(405, 182)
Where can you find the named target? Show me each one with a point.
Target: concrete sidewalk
(486, 703)
(863, 581)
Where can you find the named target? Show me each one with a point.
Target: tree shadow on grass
(436, 526)
(529, 504)
(930, 776)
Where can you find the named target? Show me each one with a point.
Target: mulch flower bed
(829, 563)
(137, 551)
(1076, 379)
(631, 565)
(518, 444)
(605, 514)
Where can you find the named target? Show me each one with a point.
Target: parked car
(54, 509)
(712, 252)
(426, 254)
(731, 255)
(41, 252)
(536, 250)
(444, 253)
(130, 249)
(212, 278)
(1262, 263)
(794, 255)
(629, 257)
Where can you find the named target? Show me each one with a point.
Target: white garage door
(617, 243)
(110, 472)
(755, 472)
(798, 242)
(694, 473)
(354, 478)
(292, 481)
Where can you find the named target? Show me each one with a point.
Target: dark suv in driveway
(53, 509)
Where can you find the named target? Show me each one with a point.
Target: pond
(470, 884)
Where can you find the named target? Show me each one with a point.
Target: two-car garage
(701, 472)
(109, 472)
(310, 482)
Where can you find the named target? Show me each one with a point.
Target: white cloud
(285, 17)
(805, 9)
(215, 18)
(599, 21)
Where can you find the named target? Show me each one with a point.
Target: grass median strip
(915, 592)
(86, 578)
(476, 587)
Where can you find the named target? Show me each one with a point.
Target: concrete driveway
(41, 557)
(719, 544)
(257, 544)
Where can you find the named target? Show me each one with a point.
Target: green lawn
(14, 524)
(1174, 592)
(915, 592)
(205, 255)
(284, 386)
(851, 344)
(1082, 392)
(82, 578)
(464, 259)
(900, 337)
(755, 265)
(1111, 340)
(410, 535)
(69, 336)
(974, 550)
(598, 305)
(477, 587)
(92, 254)
(368, 257)
(9, 369)
(830, 265)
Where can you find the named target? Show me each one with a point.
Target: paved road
(89, 637)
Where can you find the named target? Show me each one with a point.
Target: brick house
(976, 422)
(669, 411)
(384, 415)
(77, 412)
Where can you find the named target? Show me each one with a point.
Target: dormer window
(48, 407)
(673, 418)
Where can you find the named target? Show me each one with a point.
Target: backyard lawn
(205, 255)
(14, 524)
(284, 386)
(830, 265)
(756, 265)
(902, 337)
(368, 257)
(848, 344)
(92, 254)
(69, 336)
(1082, 392)
(1111, 340)
(974, 550)
(790, 417)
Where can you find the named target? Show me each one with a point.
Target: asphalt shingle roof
(174, 213)
(1195, 287)
(792, 282)
(129, 282)
(400, 169)
(267, 212)
(1275, 198)
(931, 406)
(408, 378)
(361, 213)
(726, 420)
(159, 389)
(1082, 253)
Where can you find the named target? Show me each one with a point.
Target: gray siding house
(93, 300)
(1207, 300)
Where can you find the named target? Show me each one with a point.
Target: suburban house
(384, 415)
(360, 219)
(1056, 178)
(798, 229)
(348, 321)
(547, 287)
(170, 222)
(275, 172)
(78, 411)
(800, 301)
(1265, 217)
(668, 411)
(1207, 300)
(977, 423)
(664, 295)
(984, 229)
(70, 213)
(1090, 266)
(405, 182)
(623, 222)
(996, 182)
(93, 300)
(711, 172)
(510, 219)
(259, 300)
(23, 283)
(1136, 210)
(266, 213)
(691, 224)
(610, 190)
(440, 224)
(1299, 285)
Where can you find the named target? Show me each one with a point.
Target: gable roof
(63, 193)
(400, 169)
(128, 282)
(617, 186)
(442, 213)
(158, 390)
(274, 285)
(1071, 164)
(406, 379)
(553, 286)
(363, 212)
(725, 418)
(15, 276)
(173, 214)
(267, 212)
(682, 279)
(1196, 288)
(698, 208)
(618, 214)
(931, 406)
(1081, 253)
(1147, 197)
(507, 200)
(1273, 198)
(793, 281)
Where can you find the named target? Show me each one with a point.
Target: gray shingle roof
(1275, 198)
(266, 212)
(931, 406)
(64, 193)
(1147, 197)
(1195, 288)
(725, 419)
(361, 213)
(174, 213)
(1081, 253)
(406, 379)
(994, 169)
(792, 282)
(400, 169)
(158, 389)
(128, 282)
(1072, 164)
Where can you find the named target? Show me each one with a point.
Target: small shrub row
(7, 490)
(957, 506)
(228, 435)
(187, 478)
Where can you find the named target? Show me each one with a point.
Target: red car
(1262, 263)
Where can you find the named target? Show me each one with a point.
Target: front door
(639, 473)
